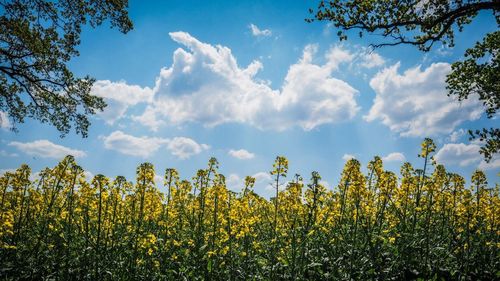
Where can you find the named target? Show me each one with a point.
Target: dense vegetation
(424, 224)
(38, 39)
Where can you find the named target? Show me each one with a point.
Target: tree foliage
(38, 39)
(423, 24)
(479, 74)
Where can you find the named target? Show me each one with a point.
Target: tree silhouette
(37, 40)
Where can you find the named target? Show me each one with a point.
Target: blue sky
(245, 81)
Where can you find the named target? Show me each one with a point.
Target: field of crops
(426, 223)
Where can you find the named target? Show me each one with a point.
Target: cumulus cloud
(458, 154)
(4, 120)
(262, 176)
(159, 180)
(3, 171)
(119, 96)
(5, 153)
(206, 85)
(234, 182)
(416, 104)
(334, 57)
(259, 32)
(32, 177)
(464, 155)
(370, 59)
(88, 175)
(456, 135)
(347, 157)
(46, 149)
(144, 146)
(131, 145)
(263, 181)
(324, 183)
(394, 157)
(241, 154)
(493, 165)
(184, 148)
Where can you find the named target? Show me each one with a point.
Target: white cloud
(32, 177)
(394, 157)
(458, 154)
(241, 154)
(456, 135)
(370, 59)
(264, 184)
(46, 149)
(4, 153)
(131, 145)
(35, 176)
(234, 182)
(4, 120)
(3, 171)
(159, 180)
(262, 176)
(493, 165)
(210, 76)
(415, 103)
(324, 183)
(335, 56)
(263, 181)
(88, 175)
(464, 155)
(180, 147)
(119, 96)
(184, 148)
(347, 157)
(259, 32)
(311, 96)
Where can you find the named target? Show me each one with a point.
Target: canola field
(423, 223)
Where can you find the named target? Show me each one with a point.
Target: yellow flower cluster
(425, 223)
